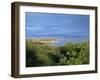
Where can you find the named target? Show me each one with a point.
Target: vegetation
(46, 55)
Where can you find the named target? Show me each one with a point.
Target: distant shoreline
(54, 41)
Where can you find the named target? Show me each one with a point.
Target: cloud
(43, 24)
(34, 28)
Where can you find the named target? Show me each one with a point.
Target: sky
(43, 25)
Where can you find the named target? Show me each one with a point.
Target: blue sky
(56, 25)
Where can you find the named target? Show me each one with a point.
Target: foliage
(75, 53)
(46, 55)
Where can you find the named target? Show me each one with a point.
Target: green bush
(46, 55)
(75, 53)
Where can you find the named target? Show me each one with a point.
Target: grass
(45, 55)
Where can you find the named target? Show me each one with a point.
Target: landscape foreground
(39, 54)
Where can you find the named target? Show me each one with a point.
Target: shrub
(46, 55)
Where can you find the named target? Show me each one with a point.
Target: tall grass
(46, 55)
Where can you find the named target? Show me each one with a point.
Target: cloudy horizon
(56, 25)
